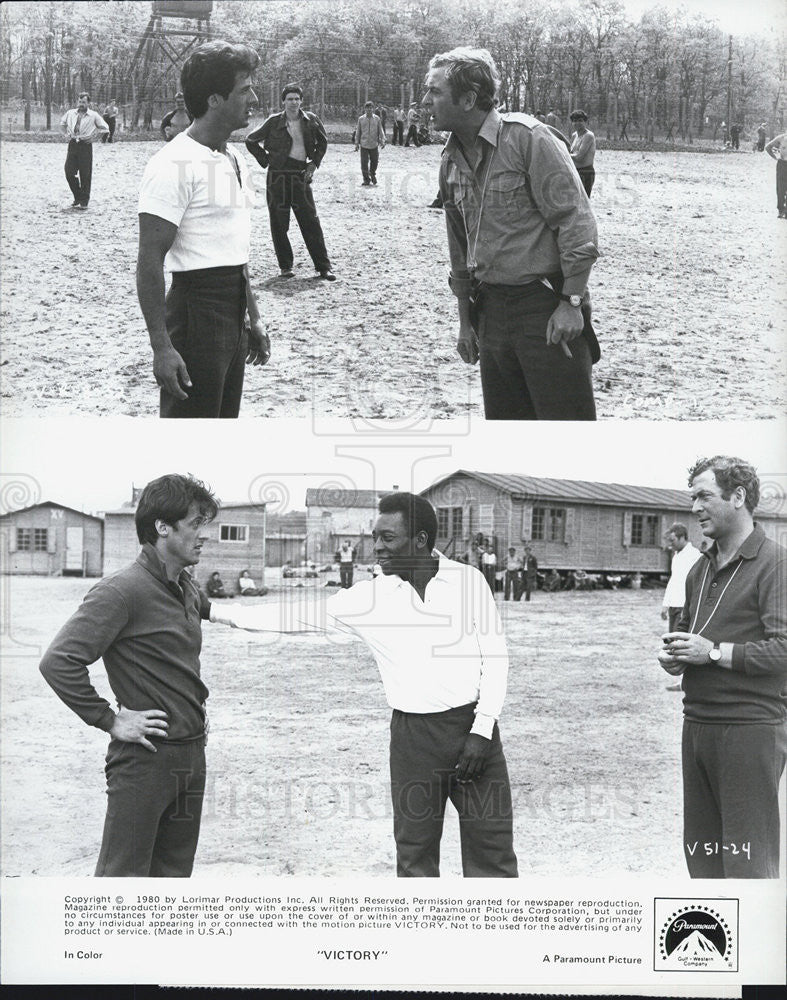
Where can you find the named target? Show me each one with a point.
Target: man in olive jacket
(292, 144)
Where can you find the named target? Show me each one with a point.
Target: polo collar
(748, 549)
(149, 559)
(442, 574)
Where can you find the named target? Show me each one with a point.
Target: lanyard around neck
(718, 602)
(470, 257)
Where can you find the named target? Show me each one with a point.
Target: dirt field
(298, 747)
(688, 297)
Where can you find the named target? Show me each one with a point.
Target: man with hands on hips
(145, 622)
(433, 628)
(730, 648)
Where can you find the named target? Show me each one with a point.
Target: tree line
(664, 71)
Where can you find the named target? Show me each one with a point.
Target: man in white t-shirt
(684, 555)
(195, 206)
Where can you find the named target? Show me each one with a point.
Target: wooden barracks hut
(598, 527)
(50, 539)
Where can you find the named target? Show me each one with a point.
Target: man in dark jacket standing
(730, 648)
(292, 144)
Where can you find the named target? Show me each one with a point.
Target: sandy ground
(298, 747)
(689, 296)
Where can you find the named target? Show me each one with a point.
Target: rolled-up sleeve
(457, 242)
(559, 196)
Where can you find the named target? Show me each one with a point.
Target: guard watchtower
(174, 29)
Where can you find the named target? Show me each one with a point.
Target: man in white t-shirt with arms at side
(195, 208)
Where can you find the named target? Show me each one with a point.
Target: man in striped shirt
(83, 127)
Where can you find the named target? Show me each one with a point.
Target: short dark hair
(369, 104)
(417, 512)
(291, 88)
(84, 94)
(730, 473)
(679, 530)
(578, 116)
(213, 69)
(469, 70)
(168, 499)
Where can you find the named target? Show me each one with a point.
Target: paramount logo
(696, 935)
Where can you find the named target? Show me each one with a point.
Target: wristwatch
(714, 655)
(573, 300)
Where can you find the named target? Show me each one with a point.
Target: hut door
(74, 544)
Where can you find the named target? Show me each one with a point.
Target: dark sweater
(149, 636)
(752, 615)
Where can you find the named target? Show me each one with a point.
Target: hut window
(40, 539)
(645, 530)
(24, 538)
(233, 532)
(549, 524)
(449, 522)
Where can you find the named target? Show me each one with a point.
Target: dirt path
(689, 296)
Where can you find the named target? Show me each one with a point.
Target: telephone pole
(729, 85)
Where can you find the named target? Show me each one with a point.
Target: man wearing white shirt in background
(683, 558)
(434, 631)
(82, 126)
(195, 205)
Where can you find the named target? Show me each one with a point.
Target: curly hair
(418, 513)
(730, 473)
(469, 71)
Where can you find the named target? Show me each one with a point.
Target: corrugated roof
(582, 491)
(51, 503)
(327, 496)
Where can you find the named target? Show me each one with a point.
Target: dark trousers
(285, 190)
(412, 133)
(673, 617)
(731, 777)
(398, 134)
(107, 136)
(530, 584)
(154, 805)
(79, 170)
(490, 575)
(513, 584)
(205, 321)
(424, 753)
(369, 160)
(523, 377)
(346, 574)
(587, 175)
(781, 185)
